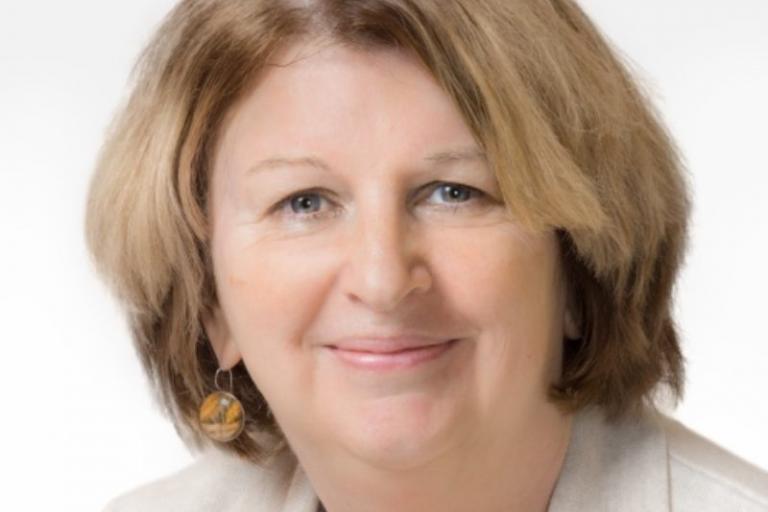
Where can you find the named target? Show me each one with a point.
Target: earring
(221, 414)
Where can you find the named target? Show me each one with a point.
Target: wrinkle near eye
(471, 197)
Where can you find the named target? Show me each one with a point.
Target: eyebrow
(440, 158)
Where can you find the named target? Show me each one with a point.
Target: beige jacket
(655, 464)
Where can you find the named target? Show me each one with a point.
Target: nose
(384, 264)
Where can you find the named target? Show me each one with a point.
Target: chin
(400, 431)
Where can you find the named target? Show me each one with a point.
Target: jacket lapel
(279, 484)
(612, 467)
(300, 496)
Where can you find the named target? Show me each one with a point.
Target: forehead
(343, 103)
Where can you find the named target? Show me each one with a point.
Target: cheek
(269, 296)
(505, 279)
(508, 288)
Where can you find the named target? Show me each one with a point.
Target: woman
(403, 255)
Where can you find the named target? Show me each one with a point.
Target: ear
(570, 326)
(218, 332)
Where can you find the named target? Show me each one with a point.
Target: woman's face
(386, 224)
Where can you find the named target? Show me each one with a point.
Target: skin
(385, 250)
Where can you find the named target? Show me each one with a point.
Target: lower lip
(393, 360)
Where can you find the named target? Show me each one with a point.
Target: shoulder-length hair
(574, 142)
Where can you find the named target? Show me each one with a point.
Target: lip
(382, 360)
(385, 345)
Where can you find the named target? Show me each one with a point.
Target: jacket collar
(300, 496)
(619, 466)
(607, 466)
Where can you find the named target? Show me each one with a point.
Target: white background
(78, 424)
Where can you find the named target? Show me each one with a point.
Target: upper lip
(385, 344)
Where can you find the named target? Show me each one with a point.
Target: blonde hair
(575, 145)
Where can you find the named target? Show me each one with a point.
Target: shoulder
(705, 476)
(652, 462)
(213, 481)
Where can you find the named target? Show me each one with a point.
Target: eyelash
(286, 202)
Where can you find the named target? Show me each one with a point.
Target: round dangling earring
(221, 414)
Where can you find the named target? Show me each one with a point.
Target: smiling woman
(431, 244)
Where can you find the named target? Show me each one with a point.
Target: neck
(494, 471)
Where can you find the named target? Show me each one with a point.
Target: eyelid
(324, 193)
(433, 185)
(287, 199)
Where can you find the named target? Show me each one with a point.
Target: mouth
(383, 359)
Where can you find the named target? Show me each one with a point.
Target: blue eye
(307, 204)
(298, 203)
(304, 204)
(454, 191)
